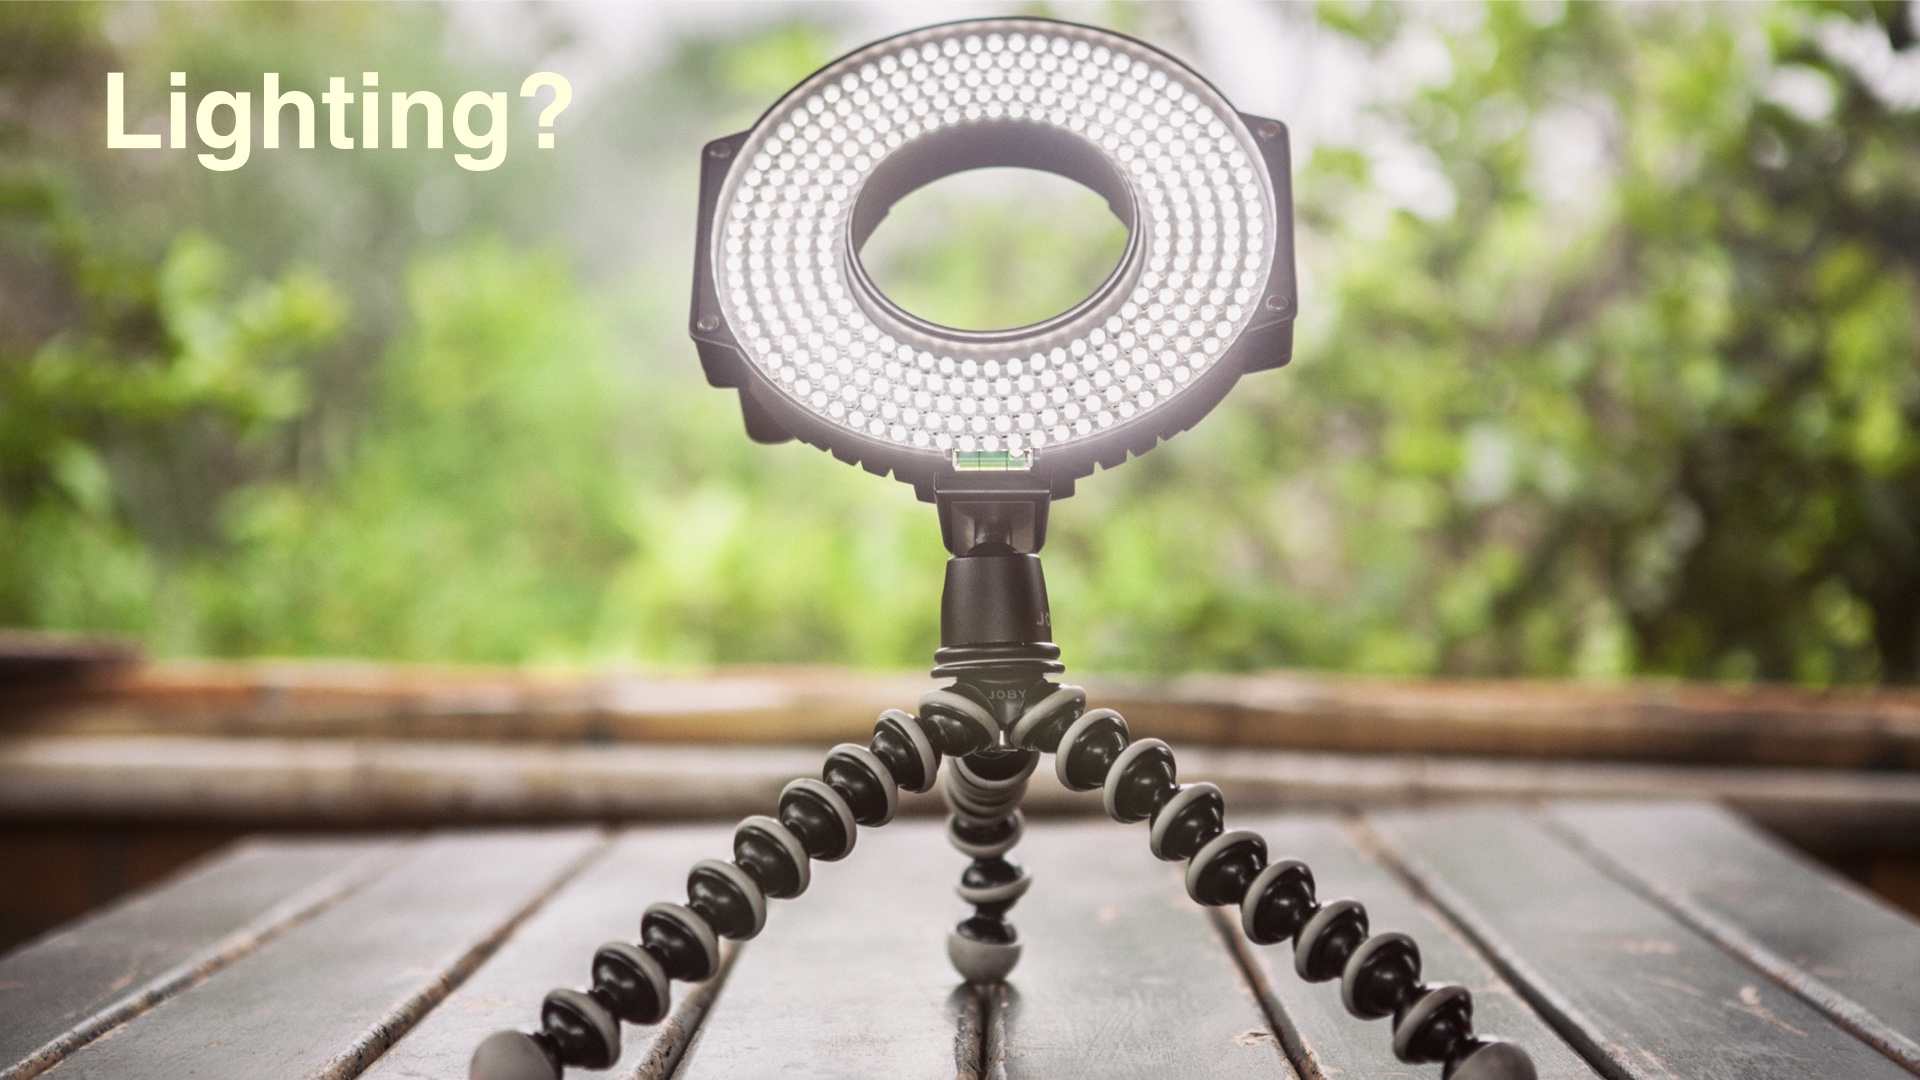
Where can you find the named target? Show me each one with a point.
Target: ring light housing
(784, 312)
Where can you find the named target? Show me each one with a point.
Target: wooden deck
(1615, 939)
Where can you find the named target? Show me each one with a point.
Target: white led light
(1202, 237)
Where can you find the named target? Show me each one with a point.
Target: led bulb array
(1202, 247)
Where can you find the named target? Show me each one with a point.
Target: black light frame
(1265, 342)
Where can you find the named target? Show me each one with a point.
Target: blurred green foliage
(1664, 422)
(991, 249)
(1632, 388)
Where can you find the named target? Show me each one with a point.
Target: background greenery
(1648, 410)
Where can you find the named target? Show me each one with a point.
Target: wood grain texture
(1660, 939)
(851, 979)
(292, 781)
(330, 995)
(1323, 1038)
(1122, 974)
(1650, 721)
(554, 947)
(659, 1054)
(328, 699)
(1816, 934)
(1768, 725)
(261, 782)
(59, 993)
(1635, 990)
(1811, 806)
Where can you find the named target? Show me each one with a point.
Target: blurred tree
(128, 390)
(1637, 392)
(1671, 412)
(482, 498)
(1608, 367)
(170, 335)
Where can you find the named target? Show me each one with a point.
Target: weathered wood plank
(850, 979)
(1765, 725)
(1815, 807)
(1845, 952)
(1691, 723)
(1623, 981)
(65, 990)
(330, 995)
(555, 946)
(1323, 1037)
(1122, 975)
(264, 781)
(354, 783)
(365, 700)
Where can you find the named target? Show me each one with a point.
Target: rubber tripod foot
(1495, 1061)
(511, 1055)
(982, 961)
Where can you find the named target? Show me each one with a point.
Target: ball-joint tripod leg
(816, 819)
(983, 793)
(995, 633)
(998, 717)
(985, 825)
(1379, 975)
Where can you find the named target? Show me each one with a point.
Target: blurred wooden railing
(306, 743)
(113, 772)
(1647, 722)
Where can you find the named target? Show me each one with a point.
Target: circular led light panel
(784, 310)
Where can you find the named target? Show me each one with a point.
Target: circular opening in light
(994, 249)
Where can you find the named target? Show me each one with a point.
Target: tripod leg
(1379, 975)
(983, 790)
(817, 819)
(985, 824)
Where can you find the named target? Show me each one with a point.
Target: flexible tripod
(1001, 712)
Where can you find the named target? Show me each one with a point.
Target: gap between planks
(293, 912)
(1284, 1030)
(1557, 1013)
(1305, 1050)
(979, 1034)
(678, 1032)
(980, 1041)
(853, 978)
(386, 1030)
(547, 949)
(1789, 976)
(1589, 1034)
